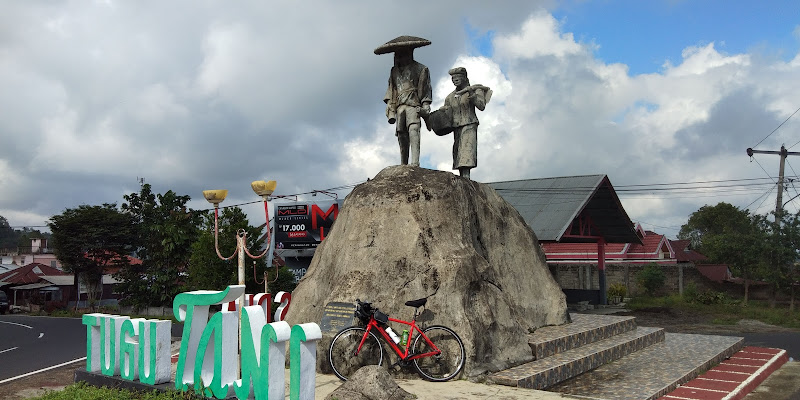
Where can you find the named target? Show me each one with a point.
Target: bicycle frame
(402, 353)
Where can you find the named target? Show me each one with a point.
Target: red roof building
(685, 254)
(716, 272)
(654, 248)
(31, 273)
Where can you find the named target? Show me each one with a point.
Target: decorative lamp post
(263, 189)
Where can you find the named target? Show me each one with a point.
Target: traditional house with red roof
(655, 248)
(30, 273)
(684, 253)
(28, 277)
(41, 284)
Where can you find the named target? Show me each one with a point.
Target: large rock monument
(411, 233)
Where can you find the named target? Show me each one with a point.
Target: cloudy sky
(194, 95)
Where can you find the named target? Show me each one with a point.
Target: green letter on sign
(303, 360)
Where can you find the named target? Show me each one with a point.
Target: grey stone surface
(411, 233)
(370, 383)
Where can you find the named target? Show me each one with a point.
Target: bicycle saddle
(417, 303)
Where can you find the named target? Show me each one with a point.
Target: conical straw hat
(402, 42)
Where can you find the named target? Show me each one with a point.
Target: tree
(651, 278)
(89, 239)
(713, 220)
(284, 282)
(781, 250)
(727, 235)
(165, 230)
(8, 236)
(208, 271)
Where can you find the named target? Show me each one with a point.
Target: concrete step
(546, 372)
(584, 329)
(654, 371)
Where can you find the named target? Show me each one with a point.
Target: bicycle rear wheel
(446, 365)
(342, 353)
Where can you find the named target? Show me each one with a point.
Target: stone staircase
(566, 351)
(609, 357)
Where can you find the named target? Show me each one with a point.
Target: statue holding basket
(458, 116)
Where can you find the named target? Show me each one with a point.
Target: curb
(734, 378)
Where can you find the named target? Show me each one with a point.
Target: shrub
(712, 297)
(651, 278)
(617, 289)
(690, 292)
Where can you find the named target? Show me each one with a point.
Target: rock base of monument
(370, 382)
(411, 233)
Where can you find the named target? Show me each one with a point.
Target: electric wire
(658, 226)
(791, 181)
(762, 168)
(762, 201)
(765, 195)
(790, 167)
(773, 131)
(672, 190)
(333, 189)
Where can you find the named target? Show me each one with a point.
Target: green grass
(83, 391)
(727, 320)
(726, 312)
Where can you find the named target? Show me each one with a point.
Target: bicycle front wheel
(342, 353)
(449, 363)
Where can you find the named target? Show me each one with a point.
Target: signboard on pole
(304, 225)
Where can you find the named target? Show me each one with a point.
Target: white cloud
(698, 60)
(192, 96)
(539, 36)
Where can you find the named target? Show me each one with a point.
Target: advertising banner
(304, 225)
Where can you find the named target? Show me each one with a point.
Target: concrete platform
(541, 374)
(583, 330)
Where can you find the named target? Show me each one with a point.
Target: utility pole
(779, 203)
(783, 153)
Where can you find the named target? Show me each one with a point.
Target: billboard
(304, 225)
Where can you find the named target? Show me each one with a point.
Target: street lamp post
(263, 189)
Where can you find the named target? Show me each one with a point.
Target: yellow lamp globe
(263, 188)
(215, 196)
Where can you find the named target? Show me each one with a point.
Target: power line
(695, 189)
(762, 201)
(634, 189)
(765, 195)
(773, 131)
(790, 167)
(333, 189)
(762, 168)
(697, 182)
(662, 227)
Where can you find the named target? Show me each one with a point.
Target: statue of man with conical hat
(408, 96)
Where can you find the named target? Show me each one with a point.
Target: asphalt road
(32, 343)
(789, 341)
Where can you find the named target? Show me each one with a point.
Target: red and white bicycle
(436, 352)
